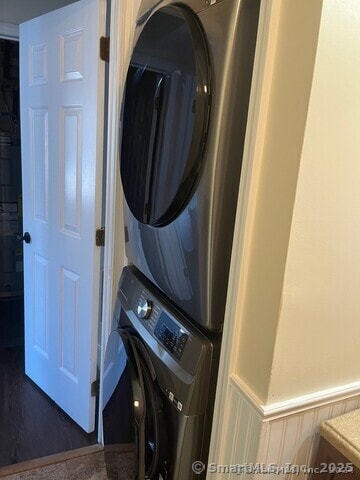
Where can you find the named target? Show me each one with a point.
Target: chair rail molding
(296, 405)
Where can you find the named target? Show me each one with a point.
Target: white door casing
(122, 29)
(62, 113)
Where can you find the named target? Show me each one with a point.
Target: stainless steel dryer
(158, 386)
(182, 127)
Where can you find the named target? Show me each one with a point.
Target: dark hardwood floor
(31, 425)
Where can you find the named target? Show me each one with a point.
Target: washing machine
(183, 122)
(158, 386)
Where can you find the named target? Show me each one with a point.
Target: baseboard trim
(49, 460)
(294, 405)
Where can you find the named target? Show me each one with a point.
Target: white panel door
(62, 111)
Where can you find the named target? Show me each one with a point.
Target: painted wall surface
(319, 328)
(276, 186)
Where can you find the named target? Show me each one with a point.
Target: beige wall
(300, 323)
(279, 165)
(317, 344)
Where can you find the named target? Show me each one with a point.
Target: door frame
(122, 29)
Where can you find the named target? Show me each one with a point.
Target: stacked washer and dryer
(183, 125)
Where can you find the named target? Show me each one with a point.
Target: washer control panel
(179, 356)
(171, 335)
(166, 325)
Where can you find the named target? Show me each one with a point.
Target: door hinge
(100, 237)
(105, 48)
(95, 388)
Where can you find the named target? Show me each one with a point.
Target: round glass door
(165, 115)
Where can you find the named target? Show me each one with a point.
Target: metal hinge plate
(105, 48)
(95, 388)
(100, 237)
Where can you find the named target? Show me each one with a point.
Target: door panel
(40, 158)
(62, 109)
(41, 314)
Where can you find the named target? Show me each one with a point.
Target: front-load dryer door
(133, 421)
(165, 115)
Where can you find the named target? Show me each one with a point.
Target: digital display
(168, 336)
(172, 337)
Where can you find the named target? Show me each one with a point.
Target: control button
(179, 406)
(144, 308)
(171, 396)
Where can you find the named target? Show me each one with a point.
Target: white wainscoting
(294, 438)
(246, 422)
(280, 433)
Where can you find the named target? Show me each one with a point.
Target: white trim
(9, 31)
(297, 404)
(122, 27)
(245, 426)
(254, 142)
(113, 102)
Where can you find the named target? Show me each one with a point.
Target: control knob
(144, 309)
